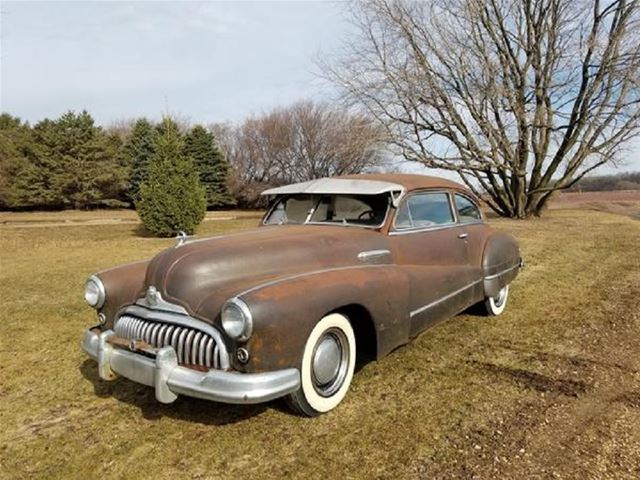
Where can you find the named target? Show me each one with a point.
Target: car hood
(201, 274)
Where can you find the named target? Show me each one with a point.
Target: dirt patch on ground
(581, 417)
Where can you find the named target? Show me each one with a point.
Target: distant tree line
(618, 181)
(296, 143)
(70, 162)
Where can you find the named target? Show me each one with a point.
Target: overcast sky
(206, 61)
(210, 61)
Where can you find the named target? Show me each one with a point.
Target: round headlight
(94, 292)
(236, 319)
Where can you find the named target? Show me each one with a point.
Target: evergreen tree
(169, 124)
(211, 164)
(171, 198)
(16, 140)
(74, 163)
(139, 150)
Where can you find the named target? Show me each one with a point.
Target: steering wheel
(371, 214)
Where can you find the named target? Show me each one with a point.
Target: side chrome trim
(305, 274)
(424, 229)
(446, 297)
(371, 254)
(495, 275)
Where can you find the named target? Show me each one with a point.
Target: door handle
(463, 235)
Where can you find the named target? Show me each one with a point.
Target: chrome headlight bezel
(94, 292)
(236, 319)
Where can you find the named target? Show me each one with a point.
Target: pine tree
(68, 162)
(171, 198)
(89, 160)
(212, 166)
(139, 150)
(16, 140)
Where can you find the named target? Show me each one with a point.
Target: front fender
(123, 286)
(284, 312)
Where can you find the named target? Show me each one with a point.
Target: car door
(430, 246)
(473, 229)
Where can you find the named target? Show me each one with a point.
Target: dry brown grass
(550, 387)
(68, 218)
(622, 202)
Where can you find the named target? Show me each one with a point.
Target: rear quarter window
(468, 211)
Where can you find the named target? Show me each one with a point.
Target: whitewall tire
(328, 362)
(496, 305)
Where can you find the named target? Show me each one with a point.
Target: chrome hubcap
(499, 299)
(330, 361)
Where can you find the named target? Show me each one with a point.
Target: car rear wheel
(496, 305)
(328, 362)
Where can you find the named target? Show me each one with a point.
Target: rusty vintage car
(340, 269)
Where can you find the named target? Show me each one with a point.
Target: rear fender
(500, 262)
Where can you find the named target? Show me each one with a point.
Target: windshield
(359, 210)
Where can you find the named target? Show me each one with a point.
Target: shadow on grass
(184, 408)
(475, 310)
(576, 361)
(535, 381)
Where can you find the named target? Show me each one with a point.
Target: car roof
(365, 184)
(337, 185)
(409, 181)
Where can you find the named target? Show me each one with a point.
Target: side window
(424, 210)
(468, 211)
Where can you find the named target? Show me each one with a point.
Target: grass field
(624, 202)
(551, 388)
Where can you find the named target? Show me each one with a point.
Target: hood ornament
(153, 300)
(153, 296)
(181, 238)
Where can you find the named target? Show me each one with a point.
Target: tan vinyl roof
(338, 185)
(410, 181)
(366, 184)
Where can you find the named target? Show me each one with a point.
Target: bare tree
(304, 141)
(520, 97)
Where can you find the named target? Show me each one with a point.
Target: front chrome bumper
(170, 380)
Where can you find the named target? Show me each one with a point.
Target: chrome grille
(193, 347)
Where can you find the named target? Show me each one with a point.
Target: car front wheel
(496, 305)
(328, 362)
